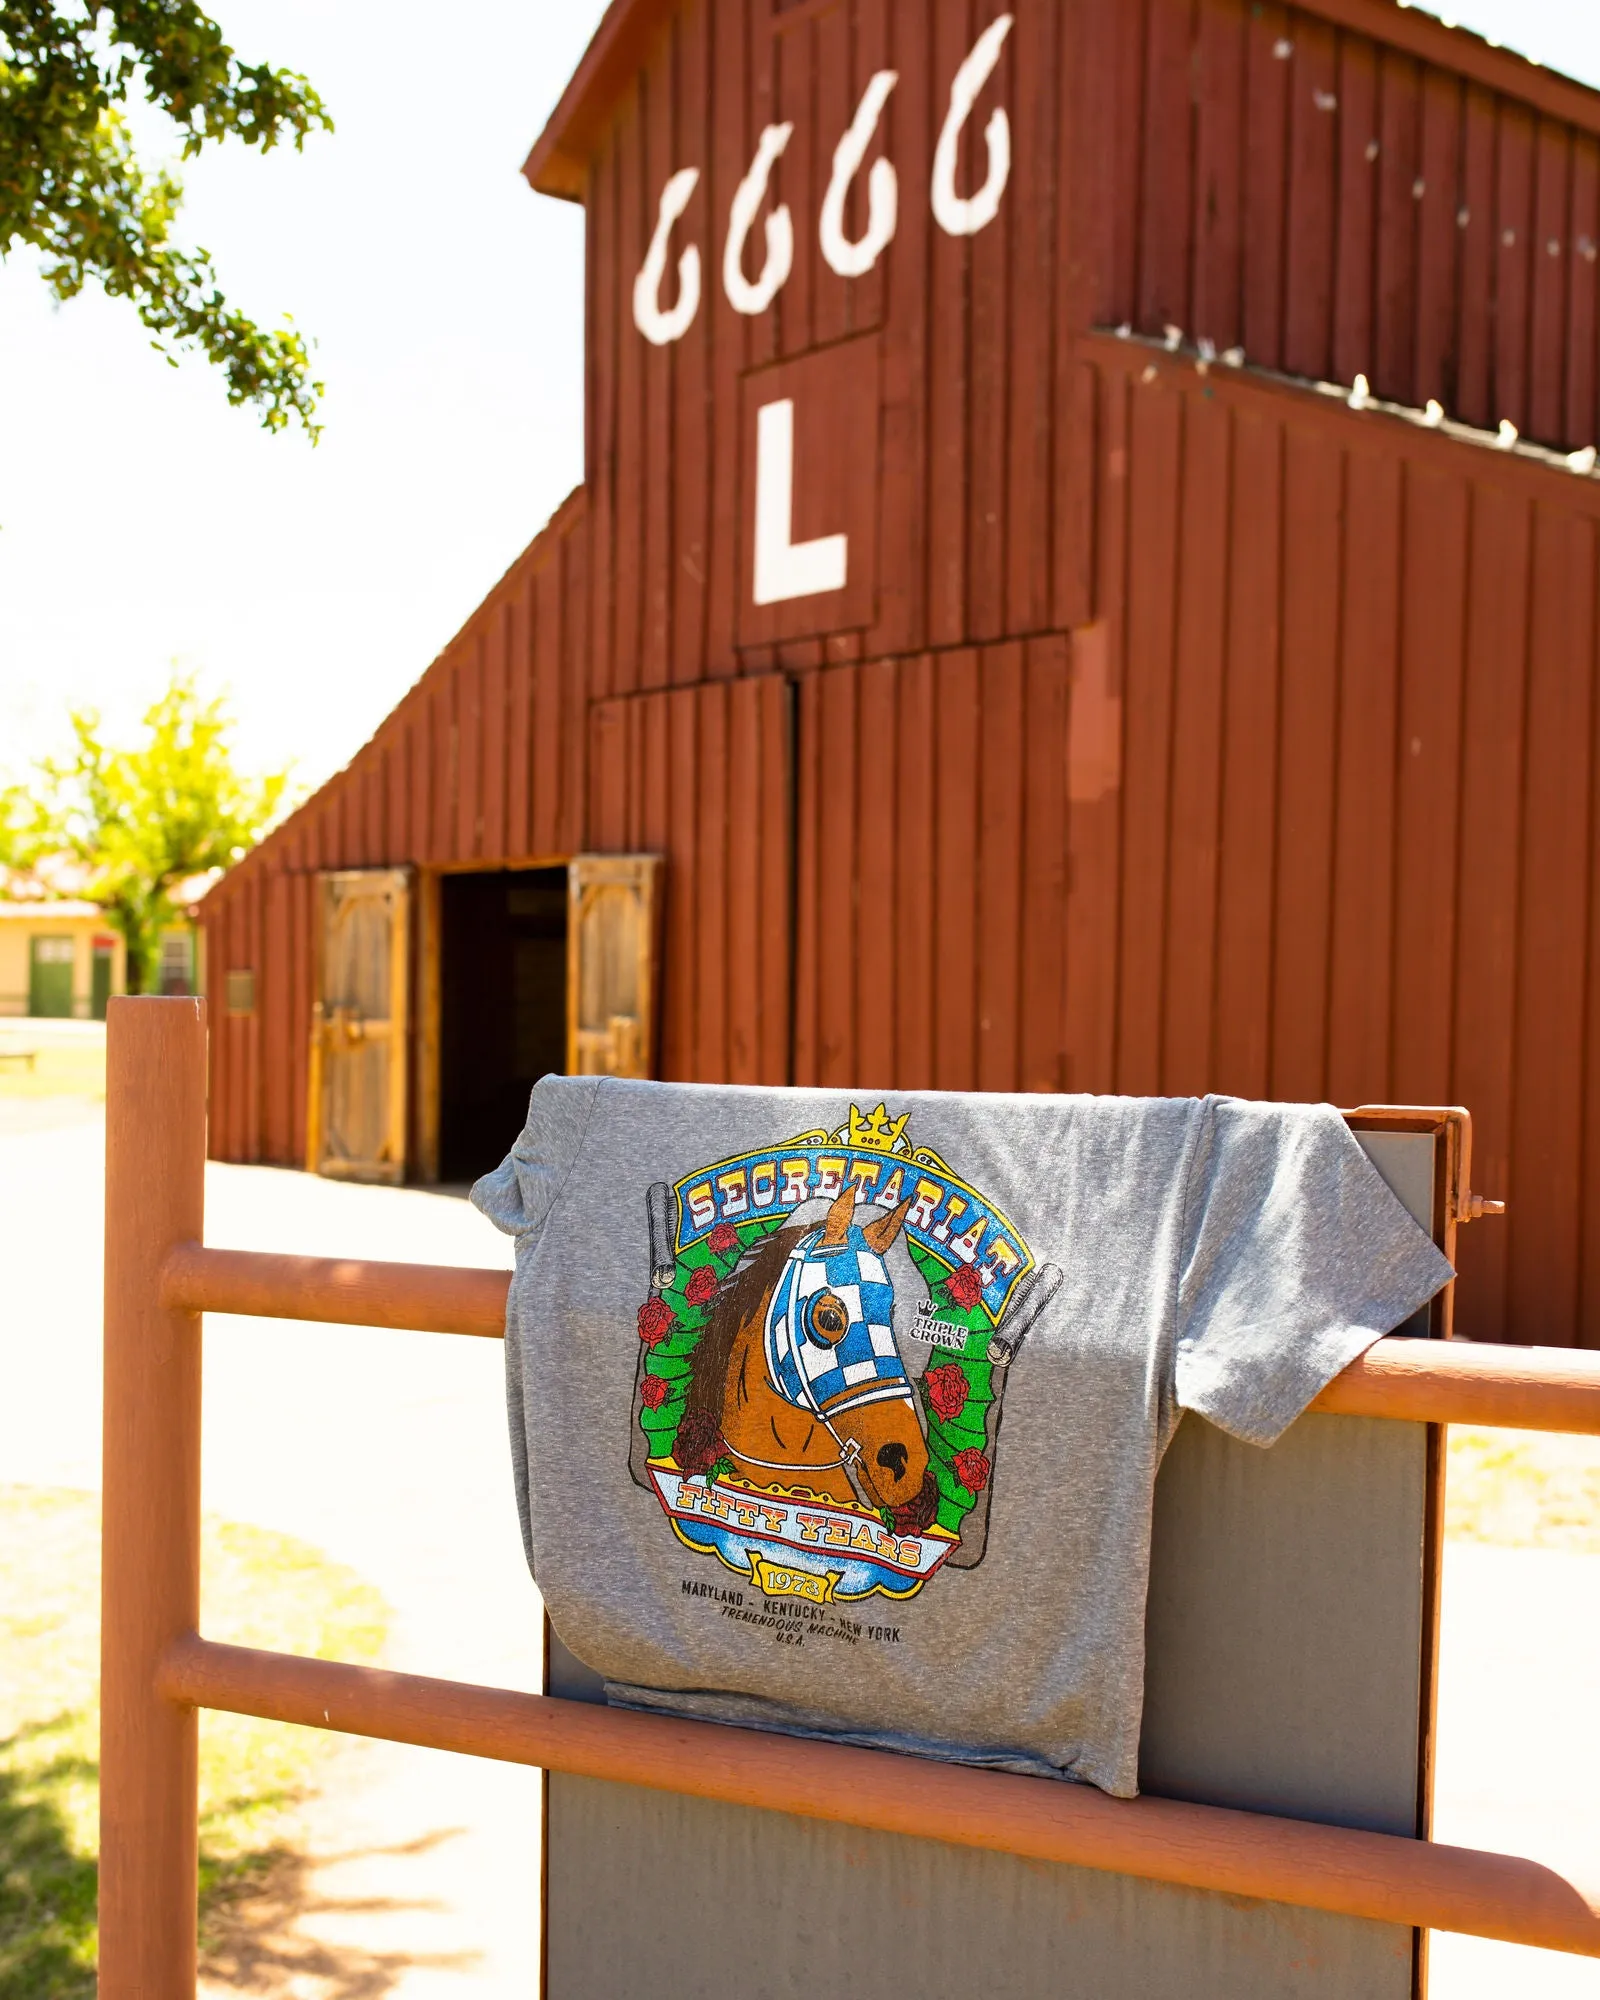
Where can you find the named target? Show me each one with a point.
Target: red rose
(964, 1287)
(655, 1322)
(972, 1469)
(698, 1442)
(722, 1239)
(947, 1390)
(653, 1391)
(702, 1286)
(918, 1514)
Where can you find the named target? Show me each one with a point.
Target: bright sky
(143, 521)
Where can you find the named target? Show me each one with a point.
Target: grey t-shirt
(760, 1344)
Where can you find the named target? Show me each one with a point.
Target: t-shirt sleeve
(522, 1190)
(1295, 1257)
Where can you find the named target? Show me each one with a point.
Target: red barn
(1085, 578)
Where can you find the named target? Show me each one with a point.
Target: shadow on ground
(254, 1903)
(253, 1940)
(47, 1886)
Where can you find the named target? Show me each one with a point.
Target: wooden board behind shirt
(1288, 1671)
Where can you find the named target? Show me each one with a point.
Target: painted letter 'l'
(786, 568)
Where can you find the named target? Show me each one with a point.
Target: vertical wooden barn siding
(481, 763)
(702, 775)
(1251, 174)
(1338, 207)
(976, 522)
(1357, 846)
(1205, 734)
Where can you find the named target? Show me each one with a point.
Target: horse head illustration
(798, 1378)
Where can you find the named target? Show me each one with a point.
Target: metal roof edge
(40, 909)
(559, 162)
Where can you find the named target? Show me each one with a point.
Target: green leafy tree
(72, 186)
(140, 820)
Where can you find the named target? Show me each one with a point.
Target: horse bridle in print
(855, 1277)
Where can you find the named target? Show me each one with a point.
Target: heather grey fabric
(735, 1511)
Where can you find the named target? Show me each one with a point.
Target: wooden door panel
(613, 948)
(702, 776)
(357, 1110)
(50, 968)
(932, 871)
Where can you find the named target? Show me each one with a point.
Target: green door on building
(50, 976)
(100, 977)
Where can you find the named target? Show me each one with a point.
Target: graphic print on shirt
(775, 1415)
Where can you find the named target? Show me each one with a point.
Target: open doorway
(502, 1008)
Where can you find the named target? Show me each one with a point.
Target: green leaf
(961, 1432)
(662, 1425)
(952, 1493)
(142, 818)
(72, 187)
(671, 1366)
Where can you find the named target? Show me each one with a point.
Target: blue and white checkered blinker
(821, 1374)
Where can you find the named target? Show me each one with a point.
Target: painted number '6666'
(957, 214)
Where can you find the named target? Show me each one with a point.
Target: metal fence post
(150, 1534)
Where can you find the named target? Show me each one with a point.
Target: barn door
(356, 1129)
(703, 776)
(613, 953)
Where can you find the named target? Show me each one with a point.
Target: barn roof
(269, 852)
(558, 164)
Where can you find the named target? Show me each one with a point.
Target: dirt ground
(417, 1874)
(52, 1059)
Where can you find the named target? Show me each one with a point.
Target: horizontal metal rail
(1470, 1382)
(1356, 1874)
(1420, 1381)
(156, 1672)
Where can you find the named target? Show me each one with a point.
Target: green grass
(259, 1589)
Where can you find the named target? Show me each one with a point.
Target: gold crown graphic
(876, 1129)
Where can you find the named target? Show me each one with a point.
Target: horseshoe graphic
(961, 215)
(660, 327)
(752, 191)
(854, 260)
